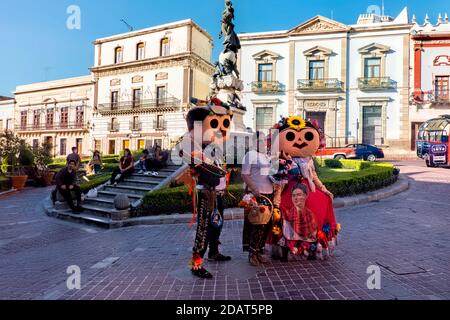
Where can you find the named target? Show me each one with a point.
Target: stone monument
(226, 84)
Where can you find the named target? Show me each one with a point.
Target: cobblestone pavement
(405, 235)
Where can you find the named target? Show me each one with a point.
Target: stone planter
(18, 182)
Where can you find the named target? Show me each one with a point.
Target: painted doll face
(216, 128)
(302, 144)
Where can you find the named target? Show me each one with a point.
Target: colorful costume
(210, 125)
(301, 139)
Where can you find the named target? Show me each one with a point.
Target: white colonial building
(57, 112)
(354, 79)
(6, 113)
(430, 61)
(143, 83)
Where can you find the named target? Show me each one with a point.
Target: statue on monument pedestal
(231, 41)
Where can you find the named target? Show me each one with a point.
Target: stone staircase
(101, 210)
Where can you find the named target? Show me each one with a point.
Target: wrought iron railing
(135, 126)
(378, 83)
(50, 127)
(266, 86)
(113, 127)
(331, 84)
(139, 106)
(431, 96)
(160, 125)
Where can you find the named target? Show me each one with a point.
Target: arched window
(140, 51)
(165, 47)
(118, 55)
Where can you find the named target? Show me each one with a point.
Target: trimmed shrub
(177, 200)
(94, 181)
(367, 177)
(374, 177)
(332, 163)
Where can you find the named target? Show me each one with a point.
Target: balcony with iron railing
(319, 85)
(135, 106)
(113, 127)
(135, 125)
(266, 87)
(431, 97)
(160, 125)
(377, 83)
(42, 127)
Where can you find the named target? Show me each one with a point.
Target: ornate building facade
(430, 62)
(7, 105)
(353, 79)
(57, 112)
(143, 83)
(135, 97)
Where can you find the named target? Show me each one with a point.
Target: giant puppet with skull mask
(297, 141)
(209, 124)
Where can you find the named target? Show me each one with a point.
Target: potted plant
(42, 158)
(13, 150)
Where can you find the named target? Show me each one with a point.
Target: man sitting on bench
(65, 184)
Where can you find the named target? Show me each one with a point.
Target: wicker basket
(261, 214)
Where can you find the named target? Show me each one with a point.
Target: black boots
(218, 257)
(202, 273)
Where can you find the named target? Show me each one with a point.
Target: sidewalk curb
(401, 185)
(237, 213)
(8, 192)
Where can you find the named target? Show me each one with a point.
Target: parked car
(336, 153)
(367, 152)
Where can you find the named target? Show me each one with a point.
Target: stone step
(169, 169)
(101, 202)
(87, 218)
(140, 183)
(159, 177)
(97, 210)
(127, 190)
(112, 195)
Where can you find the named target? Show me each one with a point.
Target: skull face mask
(297, 138)
(216, 128)
(216, 122)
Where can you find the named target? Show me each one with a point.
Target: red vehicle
(337, 153)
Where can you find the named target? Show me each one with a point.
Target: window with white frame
(118, 55)
(316, 69)
(265, 72)
(165, 47)
(264, 118)
(372, 67)
(140, 51)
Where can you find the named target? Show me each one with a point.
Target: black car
(367, 152)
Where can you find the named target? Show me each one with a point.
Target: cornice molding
(185, 59)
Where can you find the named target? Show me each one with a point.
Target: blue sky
(35, 44)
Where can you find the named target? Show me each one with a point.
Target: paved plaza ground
(406, 235)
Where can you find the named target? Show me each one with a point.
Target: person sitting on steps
(126, 168)
(65, 184)
(155, 163)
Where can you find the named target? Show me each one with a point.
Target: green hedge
(375, 177)
(177, 200)
(94, 181)
(343, 164)
(367, 176)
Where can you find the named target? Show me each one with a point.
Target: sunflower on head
(296, 123)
